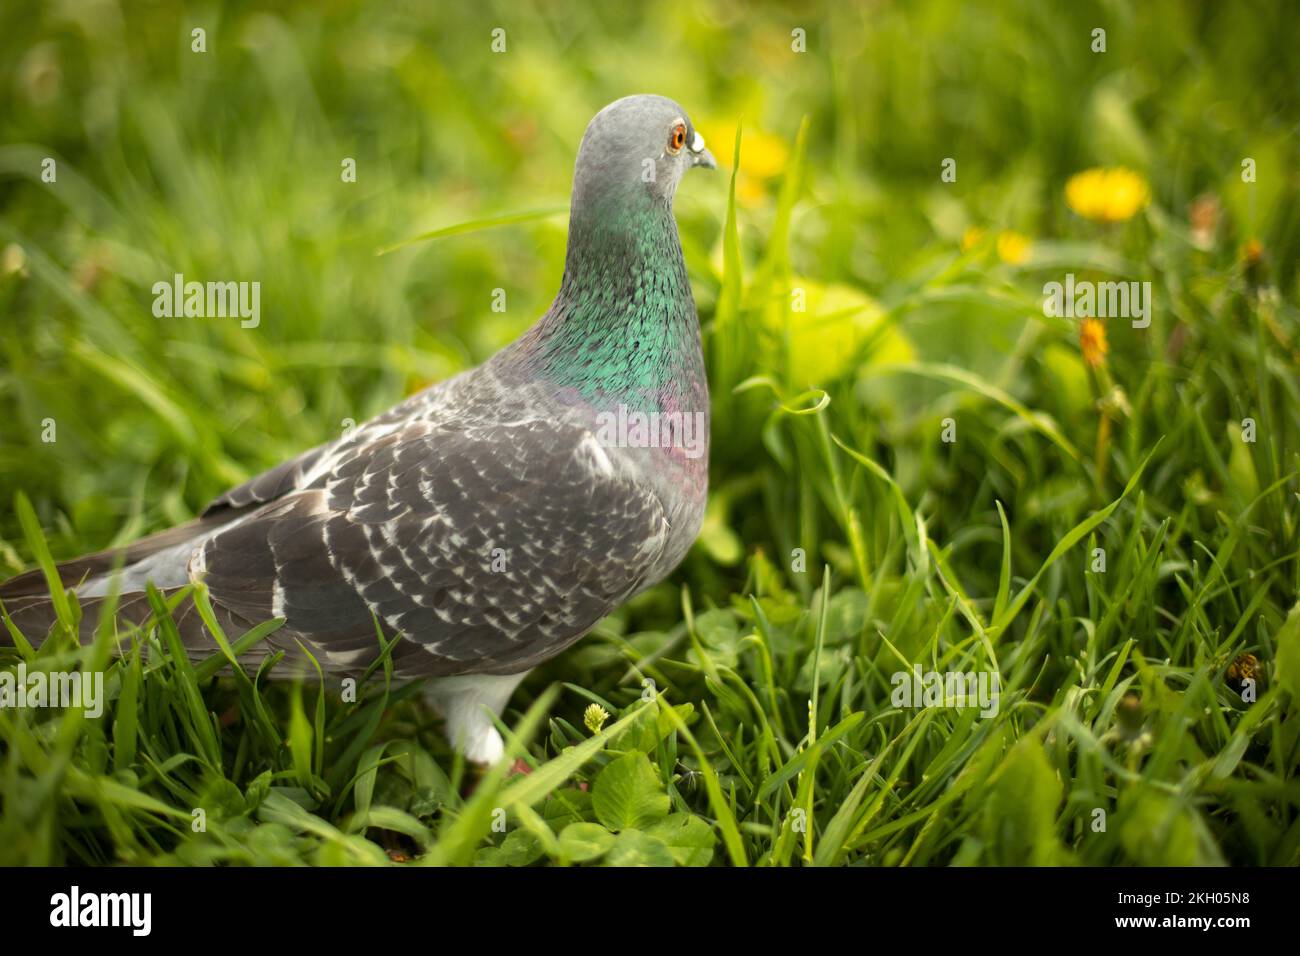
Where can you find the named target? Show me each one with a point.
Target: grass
(748, 699)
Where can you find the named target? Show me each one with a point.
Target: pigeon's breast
(684, 494)
(657, 436)
(668, 451)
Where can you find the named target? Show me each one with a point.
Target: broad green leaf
(520, 848)
(1020, 808)
(1288, 654)
(581, 842)
(688, 837)
(627, 794)
(634, 848)
(1158, 829)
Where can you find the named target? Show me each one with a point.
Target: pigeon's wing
(272, 483)
(258, 490)
(309, 469)
(489, 548)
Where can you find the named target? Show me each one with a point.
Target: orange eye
(677, 139)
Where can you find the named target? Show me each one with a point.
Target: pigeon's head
(638, 146)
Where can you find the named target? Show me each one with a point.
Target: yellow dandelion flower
(971, 238)
(763, 157)
(1013, 248)
(1107, 195)
(749, 191)
(1092, 342)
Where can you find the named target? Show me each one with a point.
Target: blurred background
(225, 165)
(870, 284)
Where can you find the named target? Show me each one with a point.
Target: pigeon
(491, 520)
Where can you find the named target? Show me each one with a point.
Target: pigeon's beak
(701, 156)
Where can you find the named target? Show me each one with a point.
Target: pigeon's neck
(623, 328)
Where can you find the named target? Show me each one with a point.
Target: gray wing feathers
(490, 548)
(270, 484)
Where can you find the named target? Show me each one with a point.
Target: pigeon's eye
(677, 138)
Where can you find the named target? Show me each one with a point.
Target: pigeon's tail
(35, 616)
(162, 558)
